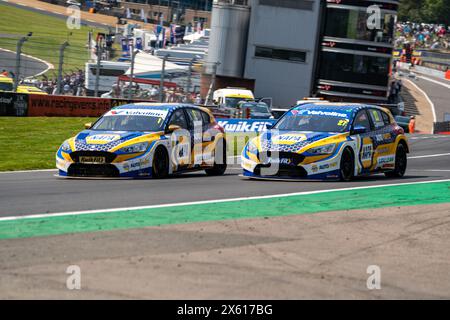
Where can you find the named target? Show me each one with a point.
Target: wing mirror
(269, 126)
(88, 125)
(359, 130)
(173, 127)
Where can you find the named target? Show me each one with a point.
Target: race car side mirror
(269, 126)
(173, 127)
(88, 125)
(359, 130)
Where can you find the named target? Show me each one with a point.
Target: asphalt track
(40, 192)
(438, 91)
(28, 67)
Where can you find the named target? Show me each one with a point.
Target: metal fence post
(60, 66)
(18, 53)
(209, 96)
(189, 80)
(161, 83)
(133, 56)
(97, 69)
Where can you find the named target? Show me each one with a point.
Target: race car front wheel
(160, 166)
(347, 165)
(219, 167)
(401, 161)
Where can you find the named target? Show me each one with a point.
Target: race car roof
(159, 106)
(347, 108)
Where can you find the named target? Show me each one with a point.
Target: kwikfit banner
(245, 125)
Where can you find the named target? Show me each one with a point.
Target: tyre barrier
(442, 127)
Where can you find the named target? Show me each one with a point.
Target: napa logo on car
(102, 138)
(289, 139)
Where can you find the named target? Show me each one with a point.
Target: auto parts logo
(102, 138)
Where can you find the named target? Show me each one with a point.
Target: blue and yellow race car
(146, 140)
(328, 141)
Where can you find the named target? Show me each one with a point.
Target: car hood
(296, 141)
(109, 140)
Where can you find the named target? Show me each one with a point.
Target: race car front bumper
(285, 169)
(70, 165)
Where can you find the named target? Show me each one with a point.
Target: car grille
(109, 157)
(287, 171)
(92, 170)
(295, 158)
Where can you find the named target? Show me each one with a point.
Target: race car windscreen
(317, 121)
(233, 102)
(129, 123)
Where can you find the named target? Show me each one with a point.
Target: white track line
(431, 170)
(433, 110)
(430, 156)
(28, 171)
(169, 205)
(435, 81)
(49, 65)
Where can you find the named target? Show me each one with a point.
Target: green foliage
(48, 35)
(427, 11)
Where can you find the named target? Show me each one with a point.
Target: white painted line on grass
(169, 205)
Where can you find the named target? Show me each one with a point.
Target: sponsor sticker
(289, 139)
(367, 152)
(138, 112)
(243, 125)
(102, 138)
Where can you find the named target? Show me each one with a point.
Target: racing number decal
(343, 123)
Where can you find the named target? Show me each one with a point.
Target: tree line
(427, 11)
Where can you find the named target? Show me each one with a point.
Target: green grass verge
(48, 34)
(339, 200)
(31, 143)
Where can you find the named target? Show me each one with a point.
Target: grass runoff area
(48, 35)
(31, 142)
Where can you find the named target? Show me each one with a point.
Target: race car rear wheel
(401, 161)
(160, 166)
(219, 168)
(347, 168)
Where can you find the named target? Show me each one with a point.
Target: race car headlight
(135, 148)
(326, 149)
(66, 147)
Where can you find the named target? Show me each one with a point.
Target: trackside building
(338, 49)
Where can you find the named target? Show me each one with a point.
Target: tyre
(219, 169)
(160, 165)
(401, 162)
(347, 167)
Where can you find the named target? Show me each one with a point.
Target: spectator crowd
(423, 35)
(71, 84)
